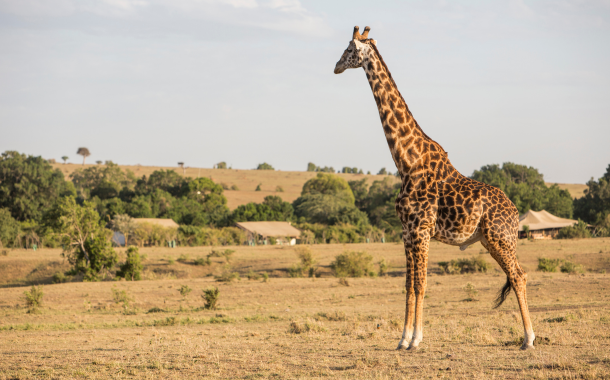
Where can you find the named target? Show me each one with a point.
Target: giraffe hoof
(413, 348)
(527, 347)
(401, 347)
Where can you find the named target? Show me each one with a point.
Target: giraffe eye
(349, 50)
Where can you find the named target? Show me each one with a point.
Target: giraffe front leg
(420, 255)
(407, 333)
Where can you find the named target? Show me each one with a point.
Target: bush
(570, 267)
(264, 166)
(577, 231)
(227, 253)
(132, 268)
(183, 258)
(202, 261)
(307, 264)
(352, 264)
(60, 277)
(471, 292)
(253, 275)
(210, 296)
(184, 291)
(383, 267)
(227, 276)
(343, 281)
(461, 266)
(279, 189)
(335, 316)
(300, 328)
(33, 298)
(548, 265)
(121, 296)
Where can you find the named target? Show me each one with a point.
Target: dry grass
(245, 180)
(343, 332)
(576, 189)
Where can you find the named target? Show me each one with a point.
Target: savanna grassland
(247, 181)
(304, 327)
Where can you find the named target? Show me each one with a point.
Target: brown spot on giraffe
(435, 200)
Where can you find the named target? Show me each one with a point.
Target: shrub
(471, 292)
(227, 253)
(264, 166)
(279, 189)
(265, 277)
(258, 187)
(4, 252)
(307, 263)
(33, 298)
(155, 310)
(202, 261)
(335, 316)
(183, 258)
(548, 265)
(234, 187)
(132, 268)
(184, 291)
(461, 266)
(383, 267)
(577, 231)
(210, 296)
(309, 325)
(228, 276)
(352, 264)
(60, 277)
(343, 281)
(253, 275)
(121, 296)
(570, 267)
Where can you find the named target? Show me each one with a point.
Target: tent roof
(541, 220)
(270, 228)
(159, 222)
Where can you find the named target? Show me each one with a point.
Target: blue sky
(154, 82)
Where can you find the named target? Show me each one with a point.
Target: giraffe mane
(372, 44)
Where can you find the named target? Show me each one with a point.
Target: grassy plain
(247, 181)
(80, 332)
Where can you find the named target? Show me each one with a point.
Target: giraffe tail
(502, 294)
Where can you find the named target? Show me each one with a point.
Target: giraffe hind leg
(504, 252)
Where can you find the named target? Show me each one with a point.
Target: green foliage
(221, 165)
(525, 187)
(264, 166)
(184, 291)
(461, 266)
(33, 298)
(258, 187)
(341, 233)
(383, 267)
(121, 296)
(227, 276)
(311, 167)
(577, 231)
(227, 253)
(548, 265)
(279, 189)
(198, 236)
(382, 171)
(202, 261)
(328, 199)
(9, 228)
(570, 267)
(594, 206)
(210, 297)
(272, 209)
(352, 264)
(105, 182)
(29, 185)
(86, 244)
(60, 277)
(351, 170)
(132, 268)
(307, 265)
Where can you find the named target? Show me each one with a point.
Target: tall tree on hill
(181, 164)
(594, 206)
(65, 158)
(83, 152)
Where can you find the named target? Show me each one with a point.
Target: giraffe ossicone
(435, 200)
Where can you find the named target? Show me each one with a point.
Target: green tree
(311, 167)
(329, 184)
(360, 189)
(221, 165)
(29, 185)
(86, 244)
(526, 188)
(104, 182)
(83, 152)
(65, 158)
(273, 208)
(9, 228)
(166, 180)
(594, 206)
(131, 270)
(264, 166)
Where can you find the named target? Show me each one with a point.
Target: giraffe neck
(407, 141)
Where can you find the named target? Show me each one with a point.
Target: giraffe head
(353, 56)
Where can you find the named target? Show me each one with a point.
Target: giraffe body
(435, 200)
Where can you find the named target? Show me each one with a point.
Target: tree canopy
(594, 206)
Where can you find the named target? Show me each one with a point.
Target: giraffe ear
(374, 42)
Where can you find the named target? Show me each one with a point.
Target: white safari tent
(283, 232)
(542, 224)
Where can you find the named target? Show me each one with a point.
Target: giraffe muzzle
(339, 68)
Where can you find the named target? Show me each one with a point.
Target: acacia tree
(65, 158)
(181, 164)
(83, 152)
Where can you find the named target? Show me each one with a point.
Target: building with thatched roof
(282, 232)
(542, 224)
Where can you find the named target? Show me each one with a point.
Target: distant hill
(248, 180)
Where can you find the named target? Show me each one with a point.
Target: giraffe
(435, 200)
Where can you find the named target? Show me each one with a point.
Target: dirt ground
(305, 327)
